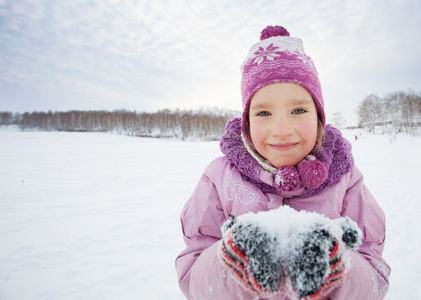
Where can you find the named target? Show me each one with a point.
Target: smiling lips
(283, 147)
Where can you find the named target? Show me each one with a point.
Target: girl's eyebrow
(259, 106)
(301, 101)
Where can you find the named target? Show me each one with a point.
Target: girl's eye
(299, 111)
(264, 113)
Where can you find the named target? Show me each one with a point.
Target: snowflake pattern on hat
(271, 49)
(263, 54)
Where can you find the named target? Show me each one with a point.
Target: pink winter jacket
(223, 191)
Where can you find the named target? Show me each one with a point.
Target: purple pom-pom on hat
(271, 31)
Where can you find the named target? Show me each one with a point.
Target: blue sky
(154, 54)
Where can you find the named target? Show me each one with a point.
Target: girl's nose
(282, 128)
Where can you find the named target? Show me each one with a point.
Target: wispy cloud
(153, 54)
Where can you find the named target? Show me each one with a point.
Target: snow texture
(96, 216)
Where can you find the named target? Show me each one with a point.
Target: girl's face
(283, 123)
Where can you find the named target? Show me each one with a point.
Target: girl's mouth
(283, 147)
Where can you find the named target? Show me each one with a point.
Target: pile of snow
(96, 216)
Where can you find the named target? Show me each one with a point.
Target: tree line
(205, 124)
(394, 113)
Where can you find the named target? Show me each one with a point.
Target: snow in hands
(301, 254)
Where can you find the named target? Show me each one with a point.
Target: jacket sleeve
(200, 274)
(368, 277)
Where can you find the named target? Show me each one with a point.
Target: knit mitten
(318, 259)
(302, 254)
(252, 255)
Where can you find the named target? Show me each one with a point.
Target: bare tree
(338, 120)
(367, 112)
(6, 118)
(396, 112)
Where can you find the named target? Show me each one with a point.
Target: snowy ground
(96, 216)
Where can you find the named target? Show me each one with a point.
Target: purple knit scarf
(335, 153)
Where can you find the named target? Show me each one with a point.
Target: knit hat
(278, 58)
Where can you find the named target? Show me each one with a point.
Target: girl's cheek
(309, 129)
(256, 132)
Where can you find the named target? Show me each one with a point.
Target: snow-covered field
(96, 216)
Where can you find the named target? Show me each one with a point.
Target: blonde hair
(320, 136)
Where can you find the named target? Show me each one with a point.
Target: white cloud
(185, 52)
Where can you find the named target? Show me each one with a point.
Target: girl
(248, 228)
